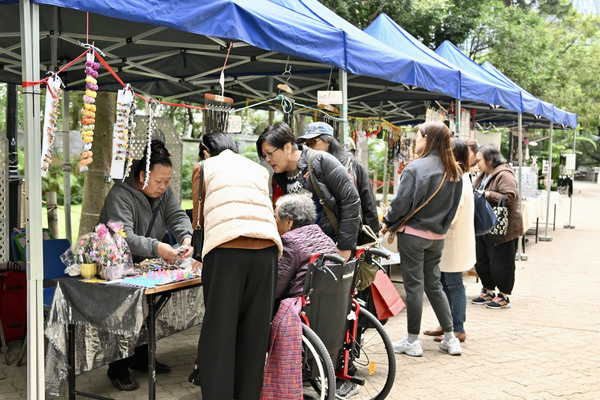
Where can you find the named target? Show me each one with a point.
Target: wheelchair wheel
(318, 376)
(372, 358)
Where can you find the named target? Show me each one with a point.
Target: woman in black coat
(290, 162)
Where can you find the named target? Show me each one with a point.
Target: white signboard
(570, 162)
(234, 125)
(544, 166)
(329, 97)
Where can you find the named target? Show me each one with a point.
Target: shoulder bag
(390, 238)
(485, 217)
(198, 234)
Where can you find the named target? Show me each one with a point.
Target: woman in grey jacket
(421, 239)
(146, 211)
(277, 146)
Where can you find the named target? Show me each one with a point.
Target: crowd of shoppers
(327, 196)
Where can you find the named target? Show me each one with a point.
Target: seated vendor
(295, 215)
(147, 207)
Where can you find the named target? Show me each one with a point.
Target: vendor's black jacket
(339, 194)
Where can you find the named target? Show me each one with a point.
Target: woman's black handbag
(485, 217)
(198, 234)
(501, 228)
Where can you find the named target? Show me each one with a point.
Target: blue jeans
(452, 283)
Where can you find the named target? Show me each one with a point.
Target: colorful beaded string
(88, 119)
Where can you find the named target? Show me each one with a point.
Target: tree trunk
(51, 207)
(95, 188)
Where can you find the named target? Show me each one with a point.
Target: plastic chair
(53, 268)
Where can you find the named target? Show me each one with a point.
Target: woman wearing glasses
(496, 258)
(289, 160)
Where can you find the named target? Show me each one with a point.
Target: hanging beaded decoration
(54, 91)
(130, 131)
(122, 147)
(88, 119)
(152, 108)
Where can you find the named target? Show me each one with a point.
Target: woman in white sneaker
(428, 197)
(459, 249)
(496, 258)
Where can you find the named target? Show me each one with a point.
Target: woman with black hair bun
(147, 207)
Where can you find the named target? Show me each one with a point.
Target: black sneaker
(195, 377)
(499, 302)
(484, 298)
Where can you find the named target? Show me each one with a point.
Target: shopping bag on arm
(385, 296)
(485, 218)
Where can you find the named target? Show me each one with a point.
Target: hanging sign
(329, 97)
(234, 124)
(570, 162)
(545, 166)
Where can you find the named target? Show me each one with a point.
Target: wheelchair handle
(319, 259)
(373, 252)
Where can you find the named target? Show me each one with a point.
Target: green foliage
(187, 167)
(430, 21)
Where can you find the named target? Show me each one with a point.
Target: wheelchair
(346, 351)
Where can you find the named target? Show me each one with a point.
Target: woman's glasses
(269, 154)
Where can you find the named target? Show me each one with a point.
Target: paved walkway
(544, 347)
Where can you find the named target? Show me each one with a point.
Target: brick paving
(544, 347)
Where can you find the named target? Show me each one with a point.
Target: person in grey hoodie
(147, 208)
(432, 181)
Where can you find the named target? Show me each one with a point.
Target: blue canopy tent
(472, 87)
(569, 119)
(530, 104)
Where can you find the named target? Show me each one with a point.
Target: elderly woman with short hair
(301, 238)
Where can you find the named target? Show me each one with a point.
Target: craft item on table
(152, 279)
(88, 113)
(153, 264)
(53, 93)
(114, 258)
(122, 149)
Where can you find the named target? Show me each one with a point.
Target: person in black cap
(319, 136)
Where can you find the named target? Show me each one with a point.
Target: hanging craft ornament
(122, 149)
(151, 122)
(54, 91)
(88, 119)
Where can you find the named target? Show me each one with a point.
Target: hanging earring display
(53, 94)
(152, 109)
(122, 151)
(88, 119)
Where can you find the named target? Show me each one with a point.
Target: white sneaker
(452, 346)
(412, 349)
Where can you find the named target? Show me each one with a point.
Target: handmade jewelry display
(122, 152)
(53, 94)
(157, 277)
(88, 119)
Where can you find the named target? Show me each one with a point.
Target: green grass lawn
(76, 215)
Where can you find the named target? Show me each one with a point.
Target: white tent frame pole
(547, 238)
(344, 109)
(569, 225)
(521, 254)
(33, 149)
